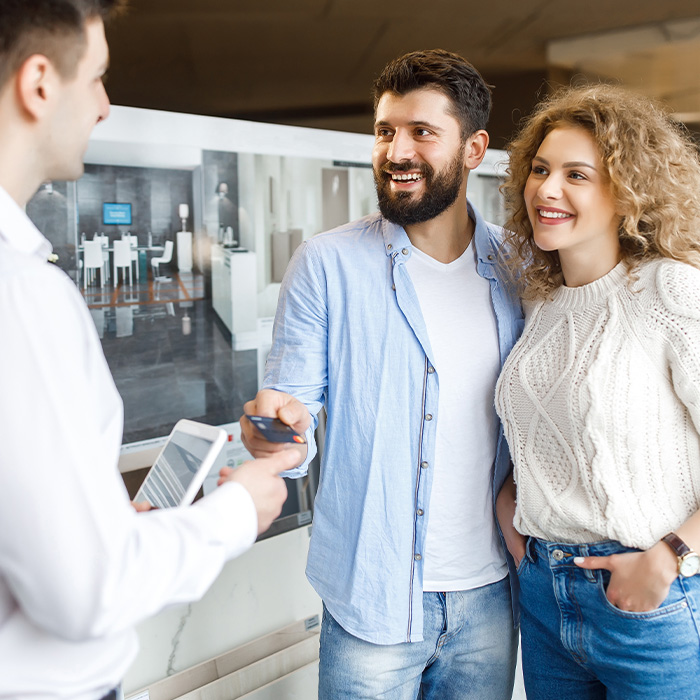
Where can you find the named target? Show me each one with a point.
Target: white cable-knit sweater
(600, 400)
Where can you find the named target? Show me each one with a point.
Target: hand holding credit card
(274, 430)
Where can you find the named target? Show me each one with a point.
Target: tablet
(182, 465)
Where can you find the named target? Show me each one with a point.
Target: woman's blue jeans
(577, 646)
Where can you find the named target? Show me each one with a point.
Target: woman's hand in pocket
(639, 581)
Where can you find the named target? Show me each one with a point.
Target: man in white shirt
(78, 566)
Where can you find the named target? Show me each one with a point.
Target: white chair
(163, 259)
(93, 260)
(122, 260)
(134, 243)
(104, 242)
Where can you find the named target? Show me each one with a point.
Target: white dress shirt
(78, 566)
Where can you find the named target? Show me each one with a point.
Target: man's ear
(36, 84)
(475, 149)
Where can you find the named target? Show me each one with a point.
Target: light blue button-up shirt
(349, 334)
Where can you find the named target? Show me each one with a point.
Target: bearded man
(399, 324)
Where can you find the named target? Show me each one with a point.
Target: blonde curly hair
(652, 169)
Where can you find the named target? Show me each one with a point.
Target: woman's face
(568, 199)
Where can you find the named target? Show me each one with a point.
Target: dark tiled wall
(53, 212)
(154, 195)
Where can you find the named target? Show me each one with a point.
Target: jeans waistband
(562, 554)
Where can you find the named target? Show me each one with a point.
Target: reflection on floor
(170, 355)
(180, 286)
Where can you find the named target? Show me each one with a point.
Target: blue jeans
(468, 653)
(577, 646)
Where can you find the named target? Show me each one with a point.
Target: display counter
(234, 293)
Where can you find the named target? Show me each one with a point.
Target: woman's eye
(538, 170)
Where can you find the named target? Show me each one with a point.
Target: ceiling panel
(282, 57)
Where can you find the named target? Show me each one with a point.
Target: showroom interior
(238, 130)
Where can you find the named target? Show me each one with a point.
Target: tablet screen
(173, 472)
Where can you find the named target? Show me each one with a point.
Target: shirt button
(423, 465)
(405, 251)
(389, 247)
(420, 511)
(428, 416)
(558, 554)
(490, 257)
(431, 370)
(417, 557)
(393, 286)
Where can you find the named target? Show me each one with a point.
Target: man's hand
(261, 479)
(274, 404)
(639, 581)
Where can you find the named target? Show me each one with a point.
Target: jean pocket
(675, 602)
(522, 565)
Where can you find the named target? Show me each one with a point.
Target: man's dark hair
(53, 28)
(447, 72)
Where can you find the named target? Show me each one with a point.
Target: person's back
(78, 566)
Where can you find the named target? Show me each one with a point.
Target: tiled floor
(170, 355)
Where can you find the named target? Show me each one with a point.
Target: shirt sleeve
(298, 360)
(75, 556)
(679, 288)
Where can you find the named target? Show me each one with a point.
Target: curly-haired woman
(600, 399)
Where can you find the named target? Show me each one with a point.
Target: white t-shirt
(462, 549)
(78, 567)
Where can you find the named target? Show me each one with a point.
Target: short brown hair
(53, 28)
(446, 72)
(649, 161)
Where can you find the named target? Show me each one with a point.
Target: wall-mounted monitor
(113, 213)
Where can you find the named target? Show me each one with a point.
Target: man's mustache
(422, 168)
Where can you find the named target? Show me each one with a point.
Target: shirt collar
(396, 239)
(17, 230)
(482, 238)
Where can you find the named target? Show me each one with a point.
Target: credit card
(274, 430)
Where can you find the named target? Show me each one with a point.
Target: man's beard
(440, 192)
